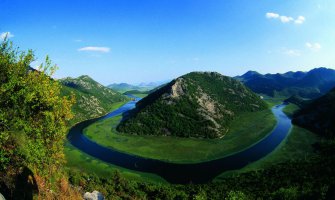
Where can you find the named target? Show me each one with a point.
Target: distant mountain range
(311, 84)
(141, 87)
(92, 98)
(198, 104)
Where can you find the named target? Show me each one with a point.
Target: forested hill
(92, 98)
(198, 104)
(311, 84)
(319, 116)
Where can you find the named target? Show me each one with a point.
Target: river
(181, 173)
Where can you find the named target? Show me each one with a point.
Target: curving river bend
(181, 173)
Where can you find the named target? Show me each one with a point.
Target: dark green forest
(318, 115)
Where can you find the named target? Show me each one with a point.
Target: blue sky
(150, 40)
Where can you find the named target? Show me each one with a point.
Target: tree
(33, 115)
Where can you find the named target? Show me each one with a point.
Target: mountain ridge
(311, 84)
(92, 98)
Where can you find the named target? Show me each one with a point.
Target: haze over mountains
(198, 104)
(311, 84)
(124, 87)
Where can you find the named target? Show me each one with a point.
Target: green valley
(184, 150)
(201, 136)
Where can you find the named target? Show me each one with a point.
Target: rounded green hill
(198, 104)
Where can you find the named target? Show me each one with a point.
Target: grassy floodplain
(297, 145)
(184, 150)
(141, 95)
(78, 160)
(290, 109)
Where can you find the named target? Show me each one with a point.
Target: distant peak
(209, 73)
(250, 72)
(321, 69)
(84, 77)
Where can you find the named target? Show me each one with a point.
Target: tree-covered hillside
(92, 98)
(311, 84)
(33, 125)
(198, 104)
(319, 115)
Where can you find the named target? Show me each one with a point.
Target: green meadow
(184, 150)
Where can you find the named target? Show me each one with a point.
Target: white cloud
(292, 52)
(313, 46)
(300, 20)
(285, 19)
(4, 34)
(272, 15)
(97, 49)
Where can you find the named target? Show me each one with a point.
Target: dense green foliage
(92, 98)
(33, 117)
(310, 84)
(194, 105)
(319, 115)
(311, 178)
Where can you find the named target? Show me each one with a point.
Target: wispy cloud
(270, 15)
(285, 19)
(313, 46)
(300, 20)
(3, 35)
(78, 40)
(96, 49)
(292, 52)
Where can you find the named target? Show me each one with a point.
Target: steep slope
(198, 104)
(92, 98)
(319, 116)
(310, 84)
